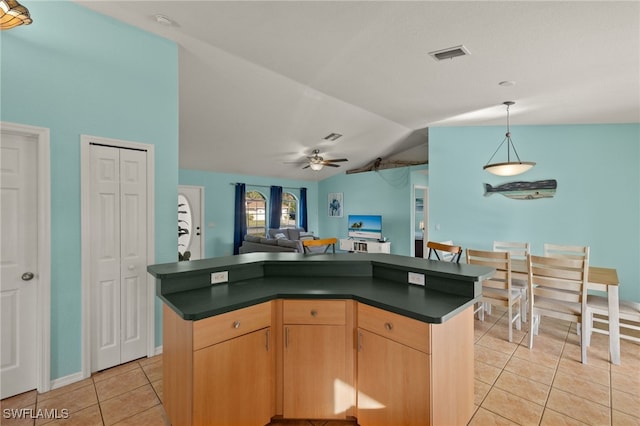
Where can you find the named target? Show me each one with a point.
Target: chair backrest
(558, 285)
(571, 252)
(326, 242)
(435, 247)
(500, 261)
(516, 249)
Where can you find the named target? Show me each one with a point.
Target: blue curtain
(302, 208)
(275, 207)
(240, 224)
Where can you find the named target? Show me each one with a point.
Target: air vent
(332, 137)
(449, 53)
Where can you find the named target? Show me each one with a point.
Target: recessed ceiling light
(507, 83)
(164, 20)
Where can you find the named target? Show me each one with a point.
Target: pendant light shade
(508, 168)
(13, 14)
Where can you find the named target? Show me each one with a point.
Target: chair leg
(531, 332)
(510, 309)
(524, 302)
(519, 316)
(583, 339)
(479, 310)
(588, 328)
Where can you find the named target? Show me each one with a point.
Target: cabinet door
(314, 372)
(233, 381)
(393, 382)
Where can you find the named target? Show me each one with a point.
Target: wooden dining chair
(598, 312)
(558, 289)
(435, 247)
(498, 289)
(326, 242)
(518, 250)
(571, 252)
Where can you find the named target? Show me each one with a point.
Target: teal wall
(386, 192)
(597, 202)
(77, 72)
(219, 197)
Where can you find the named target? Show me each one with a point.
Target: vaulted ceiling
(262, 83)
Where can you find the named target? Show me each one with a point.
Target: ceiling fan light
(316, 166)
(509, 169)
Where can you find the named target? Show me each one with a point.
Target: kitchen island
(323, 336)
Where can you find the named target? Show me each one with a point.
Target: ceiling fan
(317, 163)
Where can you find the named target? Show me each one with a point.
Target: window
(289, 211)
(256, 206)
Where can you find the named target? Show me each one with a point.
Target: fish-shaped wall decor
(524, 190)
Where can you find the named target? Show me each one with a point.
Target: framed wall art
(335, 204)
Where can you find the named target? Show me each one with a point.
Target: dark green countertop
(376, 279)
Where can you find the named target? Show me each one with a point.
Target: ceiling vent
(449, 53)
(332, 137)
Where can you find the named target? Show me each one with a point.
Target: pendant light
(13, 14)
(510, 168)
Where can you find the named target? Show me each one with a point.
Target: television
(365, 226)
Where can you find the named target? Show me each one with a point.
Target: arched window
(256, 205)
(289, 217)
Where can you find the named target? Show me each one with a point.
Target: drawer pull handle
(388, 326)
(314, 313)
(236, 324)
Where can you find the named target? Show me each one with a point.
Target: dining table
(600, 279)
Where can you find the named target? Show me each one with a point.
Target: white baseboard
(66, 380)
(76, 377)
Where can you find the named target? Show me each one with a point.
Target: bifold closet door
(118, 255)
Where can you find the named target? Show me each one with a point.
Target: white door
(18, 264)
(118, 255)
(190, 238)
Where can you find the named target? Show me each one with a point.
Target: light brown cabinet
(297, 359)
(219, 370)
(317, 382)
(414, 373)
(232, 386)
(393, 382)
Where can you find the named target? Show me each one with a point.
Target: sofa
(276, 240)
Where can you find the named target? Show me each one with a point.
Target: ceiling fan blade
(337, 160)
(331, 165)
(306, 167)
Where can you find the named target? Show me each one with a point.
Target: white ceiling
(261, 83)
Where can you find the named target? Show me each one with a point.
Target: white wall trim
(66, 380)
(43, 320)
(158, 350)
(85, 142)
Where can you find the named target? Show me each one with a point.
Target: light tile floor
(513, 385)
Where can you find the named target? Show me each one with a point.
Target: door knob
(27, 276)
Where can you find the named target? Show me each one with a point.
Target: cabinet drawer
(226, 326)
(326, 312)
(407, 331)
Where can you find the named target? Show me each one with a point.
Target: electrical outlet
(219, 277)
(415, 278)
